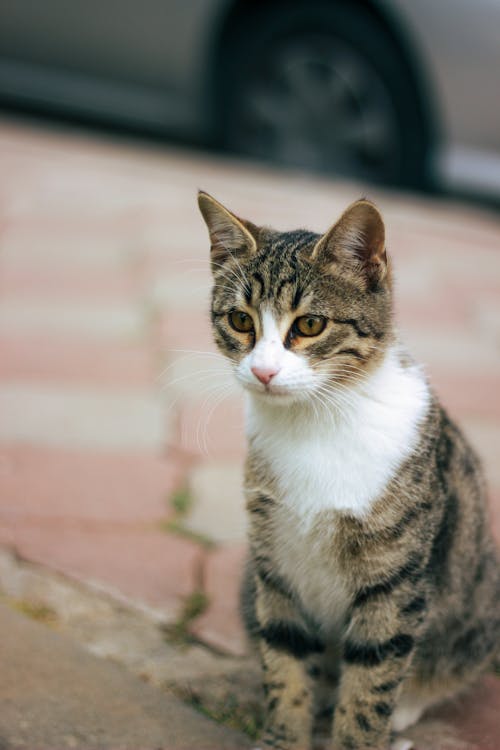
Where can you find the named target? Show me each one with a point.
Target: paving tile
(62, 244)
(218, 507)
(468, 394)
(81, 417)
(43, 483)
(22, 279)
(176, 248)
(194, 376)
(484, 435)
(142, 565)
(428, 311)
(84, 226)
(443, 348)
(180, 291)
(211, 429)
(474, 717)
(488, 319)
(46, 357)
(56, 695)
(105, 321)
(220, 626)
(188, 331)
(494, 500)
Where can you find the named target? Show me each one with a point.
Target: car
(400, 92)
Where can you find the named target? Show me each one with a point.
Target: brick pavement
(44, 704)
(121, 434)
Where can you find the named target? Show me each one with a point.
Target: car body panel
(460, 44)
(151, 64)
(141, 62)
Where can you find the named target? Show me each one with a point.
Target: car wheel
(322, 87)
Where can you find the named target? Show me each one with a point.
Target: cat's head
(299, 314)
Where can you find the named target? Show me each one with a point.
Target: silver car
(403, 92)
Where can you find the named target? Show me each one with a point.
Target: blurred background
(389, 91)
(122, 519)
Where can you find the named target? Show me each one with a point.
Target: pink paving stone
(494, 498)
(475, 716)
(450, 311)
(453, 303)
(20, 280)
(51, 483)
(180, 330)
(484, 286)
(474, 394)
(220, 626)
(47, 357)
(145, 565)
(178, 252)
(218, 433)
(84, 219)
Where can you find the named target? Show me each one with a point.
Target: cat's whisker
(245, 281)
(345, 371)
(340, 391)
(354, 376)
(230, 290)
(238, 274)
(205, 261)
(223, 271)
(200, 352)
(341, 404)
(316, 413)
(191, 353)
(205, 382)
(182, 360)
(189, 271)
(316, 399)
(327, 397)
(217, 402)
(201, 374)
(235, 259)
(213, 393)
(331, 365)
(351, 390)
(346, 378)
(327, 403)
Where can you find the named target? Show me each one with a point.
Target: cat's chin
(277, 396)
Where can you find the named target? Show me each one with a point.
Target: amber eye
(240, 321)
(309, 325)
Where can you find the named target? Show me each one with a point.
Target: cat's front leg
(284, 645)
(377, 655)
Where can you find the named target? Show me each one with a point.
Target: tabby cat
(372, 576)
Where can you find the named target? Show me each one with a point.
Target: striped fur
(371, 570)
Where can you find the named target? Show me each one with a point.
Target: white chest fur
(336, 459)
(303, 556)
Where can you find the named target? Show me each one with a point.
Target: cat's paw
(402, 744)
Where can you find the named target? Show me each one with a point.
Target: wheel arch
(239, 12)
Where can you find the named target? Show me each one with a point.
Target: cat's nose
(264, 374)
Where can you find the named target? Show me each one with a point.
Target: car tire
(321, 86)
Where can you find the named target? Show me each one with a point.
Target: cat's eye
(240, 321)
(309, 325)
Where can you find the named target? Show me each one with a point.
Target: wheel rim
(318, 103)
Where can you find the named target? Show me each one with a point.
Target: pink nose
(264, 374)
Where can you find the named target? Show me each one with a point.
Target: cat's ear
(229, 235)
(357, 239)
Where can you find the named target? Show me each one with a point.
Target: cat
(372, 587)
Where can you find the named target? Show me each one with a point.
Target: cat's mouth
(277, 393)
